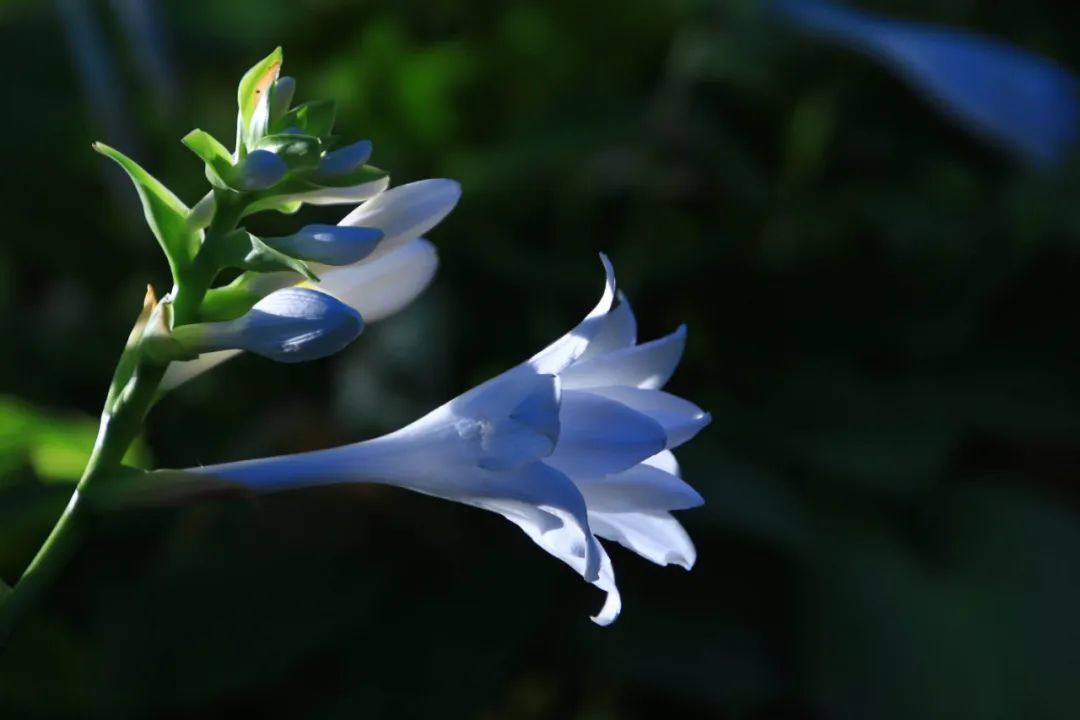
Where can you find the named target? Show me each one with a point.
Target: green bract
(253, 98)
(165, 213)
(314, 118)
(218, 161)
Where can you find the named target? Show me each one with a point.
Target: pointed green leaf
(298, 151)
(218, 160)
(359, 176)
(314, 118)
(165, 213)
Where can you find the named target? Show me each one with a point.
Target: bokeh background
(882, 314)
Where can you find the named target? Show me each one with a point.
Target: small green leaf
(165, 213)
(5, 590)
(218, 160)
(298, 151)
(359, 176)
(314, 118)
(254, 91)
(230, 301)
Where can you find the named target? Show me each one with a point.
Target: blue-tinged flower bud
(344, 160)
(259, 170)
(290, 325)
(281, 96)
(329, 244)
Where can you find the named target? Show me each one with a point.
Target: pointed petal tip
(610, 612)
(686, 564)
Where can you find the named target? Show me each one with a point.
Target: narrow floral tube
(571, 446)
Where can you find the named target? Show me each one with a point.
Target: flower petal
(606, 582)
(179, 373)
(548, 507)
(655, 536)
(618, 330)
(648, 365)
(557, 356)
(598, 436)
(406, 211)
(664, 461)
(514, 418)
(641, 488)
(337, 195)
(680, 419)
(384, 286)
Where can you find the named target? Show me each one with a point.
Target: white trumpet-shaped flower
(572, 445)
(380, 283)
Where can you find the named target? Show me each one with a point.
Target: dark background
(882, 315)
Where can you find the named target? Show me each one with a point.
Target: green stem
(131, 396)
(46, 566)
(118, 429)
(188, 295)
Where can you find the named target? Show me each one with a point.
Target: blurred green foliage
(881, 317)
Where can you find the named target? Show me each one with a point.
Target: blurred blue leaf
(1008, 95)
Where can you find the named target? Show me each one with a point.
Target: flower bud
(344, 160)
(328, 244)
(290, 325)
(281, 96)
(259, 170)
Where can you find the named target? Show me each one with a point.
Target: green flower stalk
(574, 446)
(284, 157)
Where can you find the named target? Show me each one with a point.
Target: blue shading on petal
(600, 436)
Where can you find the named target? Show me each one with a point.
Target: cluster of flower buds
(301, 296)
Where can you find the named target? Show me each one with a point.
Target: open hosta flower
(572, 445)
